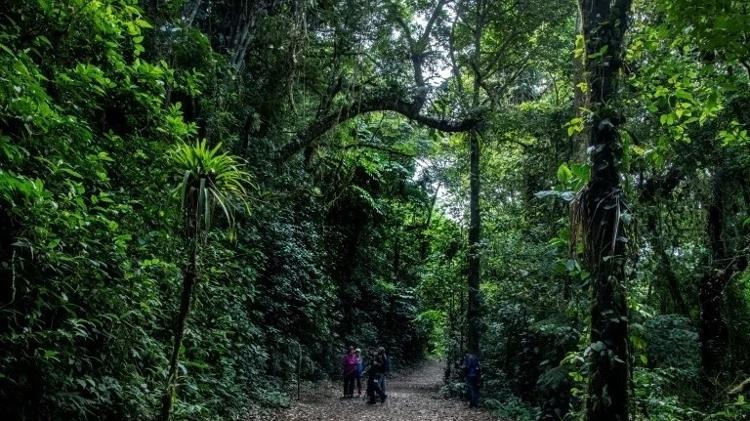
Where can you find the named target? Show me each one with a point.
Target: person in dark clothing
(374, 372)
(473, 373)
(386, 367)
(350, 372)
(360, 369)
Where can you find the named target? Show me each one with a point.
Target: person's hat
(357, 350)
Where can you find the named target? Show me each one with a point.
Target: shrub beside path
(412, 396)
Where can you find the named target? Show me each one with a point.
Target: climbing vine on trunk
(599, 214)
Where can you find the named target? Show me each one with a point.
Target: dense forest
(204, 202)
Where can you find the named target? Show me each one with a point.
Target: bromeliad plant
(211, 179)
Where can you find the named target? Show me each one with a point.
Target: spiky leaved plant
(210, 179)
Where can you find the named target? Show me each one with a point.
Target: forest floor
(412, 396)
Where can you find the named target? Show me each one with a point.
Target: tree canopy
(204, 202)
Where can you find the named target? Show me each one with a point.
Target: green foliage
(210, 179)
(672, 342)
(513, 408)
(107, 105)
(658, 391)
(434, 322)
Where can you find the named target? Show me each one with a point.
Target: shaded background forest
(371, 137)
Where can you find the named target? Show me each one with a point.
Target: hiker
(386, 367)
(360, 369)
(350, 372)
(375, 371)
(473, 373)
(367, 365)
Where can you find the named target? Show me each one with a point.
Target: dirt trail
(412, 396)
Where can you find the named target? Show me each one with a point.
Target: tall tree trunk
(473, 311)
(189, 279)
(724, 265)
(597, 215)
(713, 329)
(473, 314)
(609, 357)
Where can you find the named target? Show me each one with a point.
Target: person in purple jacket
(350, 372)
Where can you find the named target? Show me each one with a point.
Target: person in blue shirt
(473, 373)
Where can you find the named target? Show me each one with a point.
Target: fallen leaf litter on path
(411, 397)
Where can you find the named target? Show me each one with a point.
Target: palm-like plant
(210, 179)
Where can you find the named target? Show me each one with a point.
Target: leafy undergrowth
(412, 396)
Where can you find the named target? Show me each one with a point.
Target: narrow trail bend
(412, 396)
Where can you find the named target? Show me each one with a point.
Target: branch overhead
(410, 106)
(409, 109)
